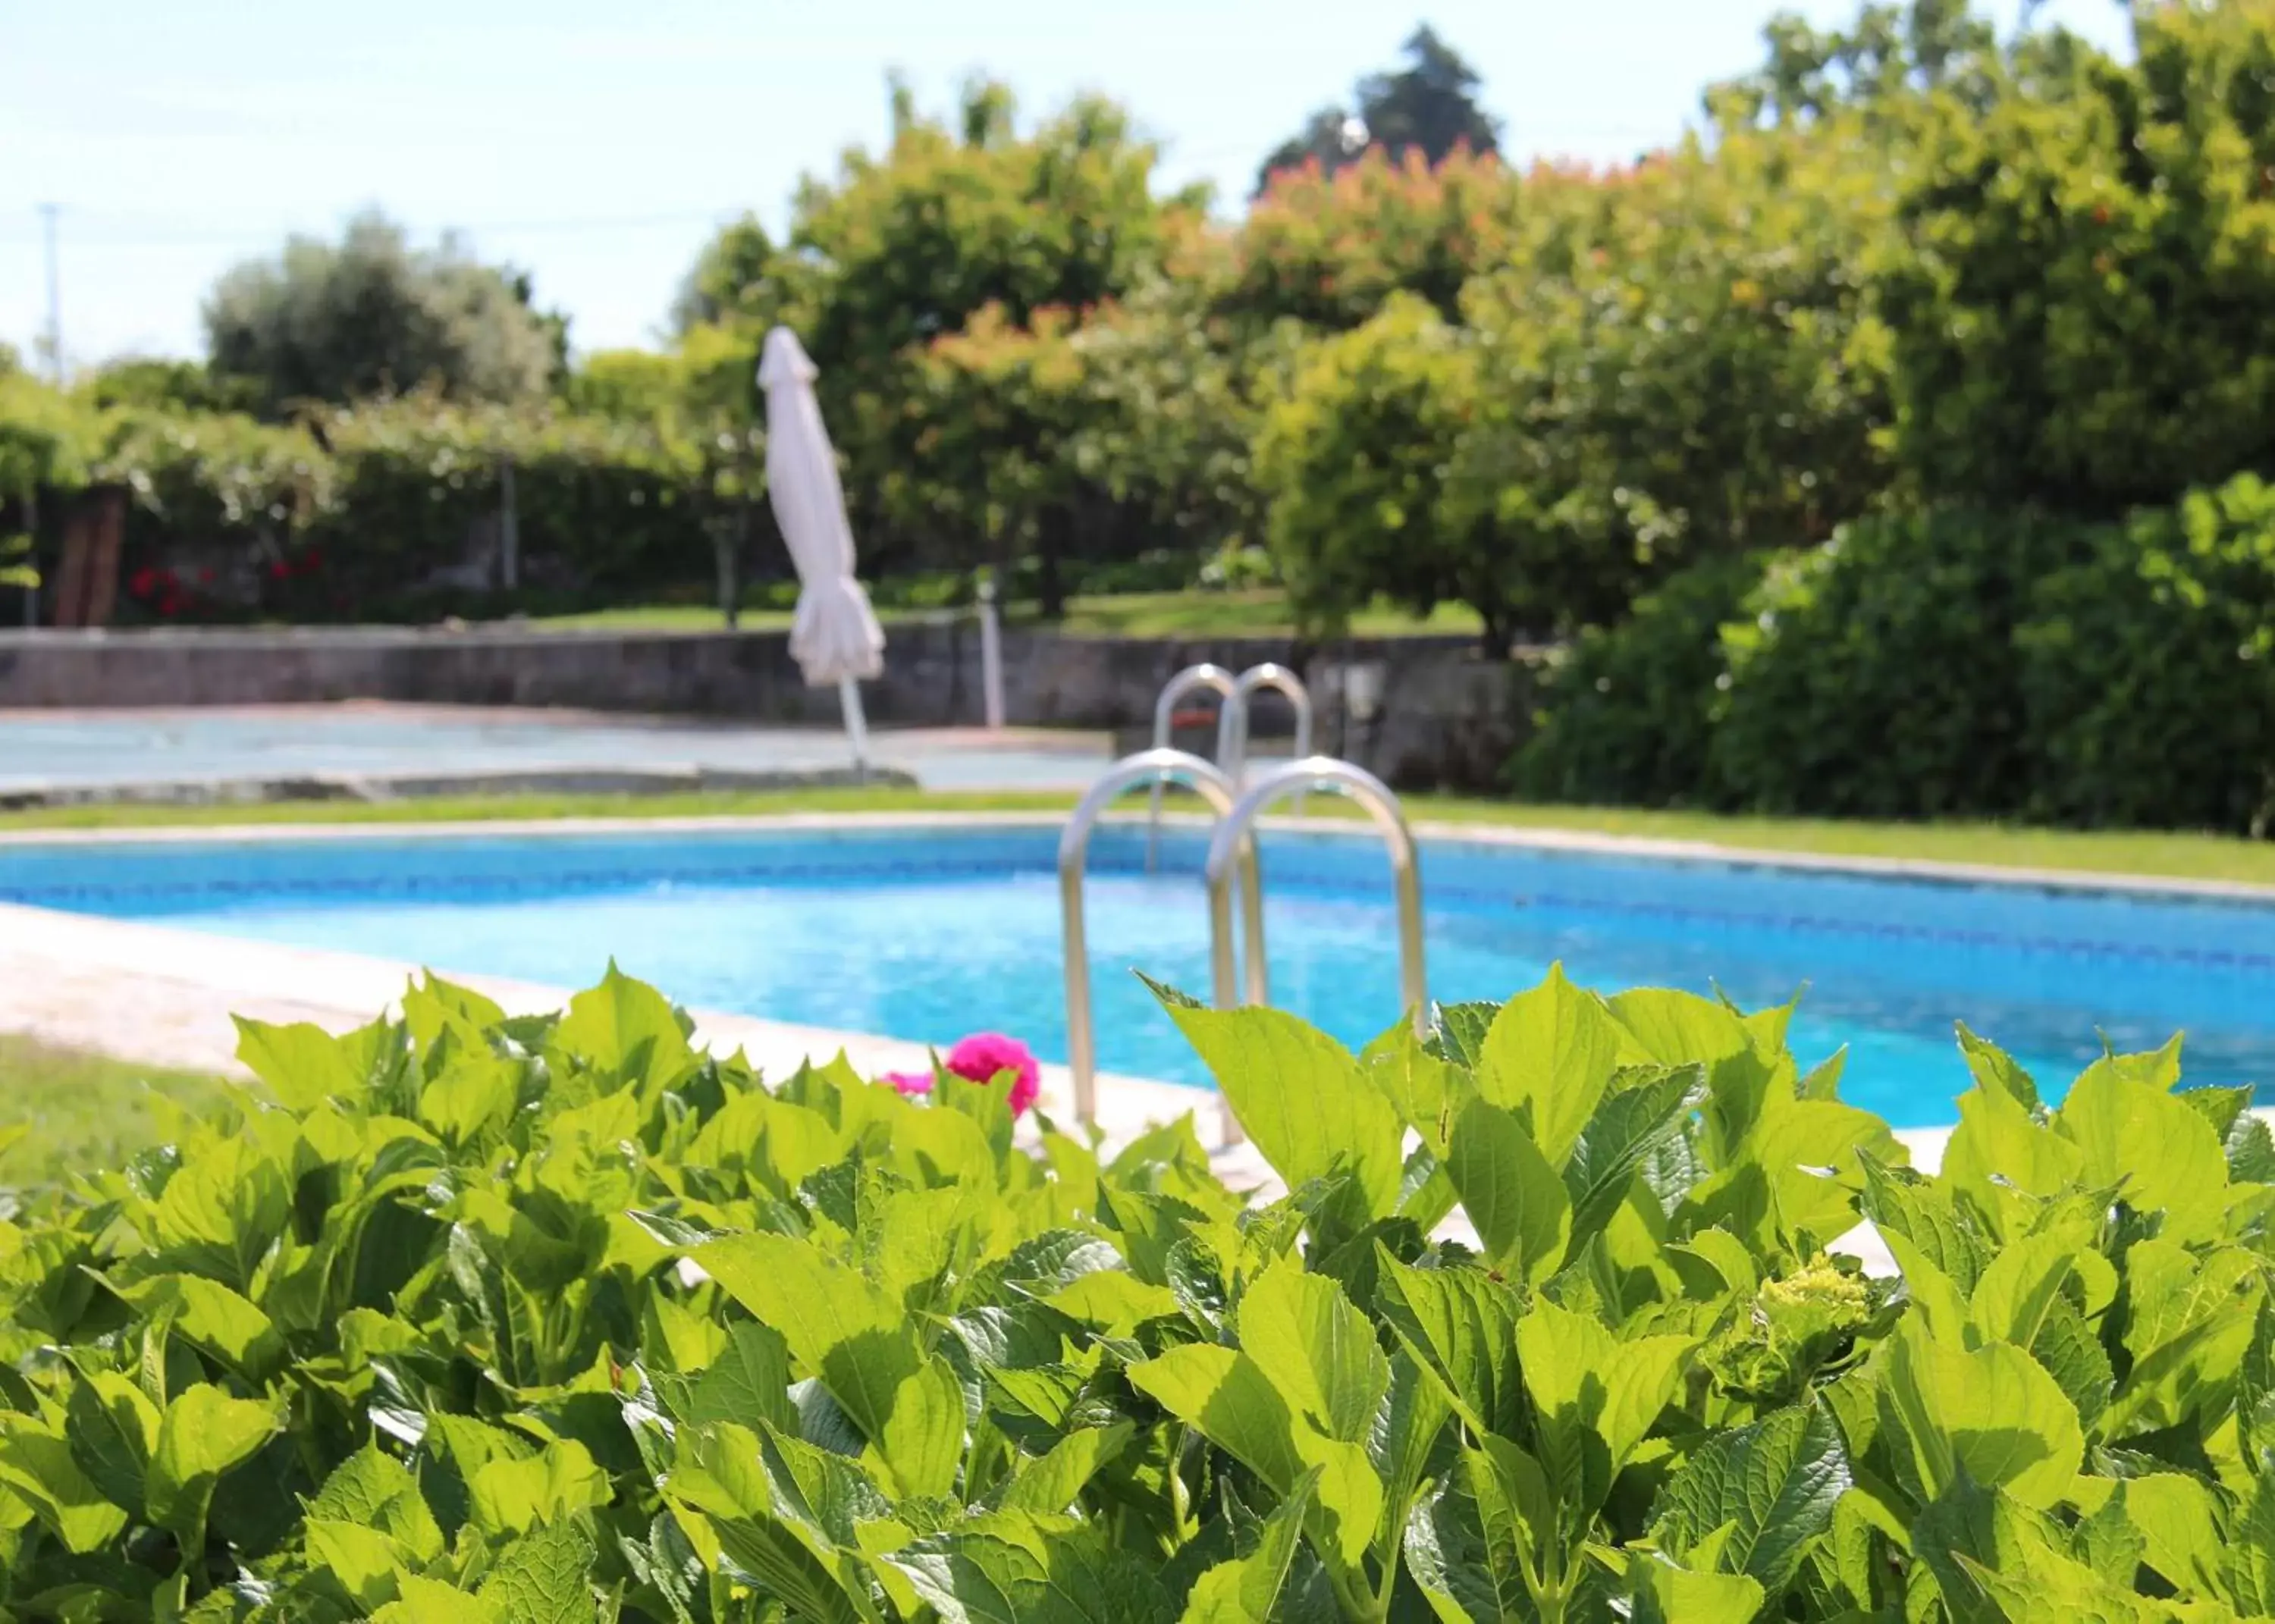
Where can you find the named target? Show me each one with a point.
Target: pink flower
(982, 1056)
(910, 1083)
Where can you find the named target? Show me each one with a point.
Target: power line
(250, 235)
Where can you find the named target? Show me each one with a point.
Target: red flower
(143, 582)
(278, 569)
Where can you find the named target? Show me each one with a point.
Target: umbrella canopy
(835, 638)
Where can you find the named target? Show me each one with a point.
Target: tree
(372, 315)
(1429, 106)
(718, 285)
(1353, 462)
(903, 252)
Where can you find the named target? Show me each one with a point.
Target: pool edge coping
(1569, 841)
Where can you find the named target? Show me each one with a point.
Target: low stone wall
(1445, 716)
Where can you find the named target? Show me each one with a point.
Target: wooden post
(95, 530)
(110, 524)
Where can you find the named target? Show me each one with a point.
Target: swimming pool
(930, 932)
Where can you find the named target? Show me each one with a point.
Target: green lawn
(2186, 856)
(63, 1112)
(1259, 613)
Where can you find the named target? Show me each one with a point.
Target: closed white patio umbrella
(835, 638)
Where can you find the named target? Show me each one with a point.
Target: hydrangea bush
(465, 1317)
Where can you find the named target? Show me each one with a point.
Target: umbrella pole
(857, 725)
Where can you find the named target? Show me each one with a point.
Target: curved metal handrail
(1231, 849)
(1206, 675)
(1154, 767)
(1232, 719)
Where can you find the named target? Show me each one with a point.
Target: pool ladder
(1234, 694)
(1234, 868)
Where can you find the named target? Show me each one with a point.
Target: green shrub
(2083, 311)
(1627, 712)
(1354, 464)
(2147, 670)
(559, 1320)
(604, 506)
(1876, 676)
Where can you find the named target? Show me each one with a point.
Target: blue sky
(596, 144)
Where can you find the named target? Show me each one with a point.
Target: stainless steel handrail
(1230, 849)
(1206, 675)
(1232, 719)
(1154, 767)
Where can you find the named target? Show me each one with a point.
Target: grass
(64, 1112)
(2167, 855)
(1262, 612)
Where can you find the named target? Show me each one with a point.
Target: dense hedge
(1627, 712)
(2147, 670)
(1949, 663)
(558, 1319)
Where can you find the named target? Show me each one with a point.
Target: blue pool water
(928, 934)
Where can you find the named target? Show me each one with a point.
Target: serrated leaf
(1246, 1590)
(302, 1064)
(1225, 1396)
(984, 1578)
(2178, 1520)
(837, 1325)
(1663, 1594)
(430, 1601)
(222, 1322)
(541, 1578)
(1460, 1327)
(1628, 1128)
(365, 1562)
(37, 1468)
(2163, 1156)
(922, 1445)
(627, 1028)
(1548, 1058)
(1511, 1191)
(1316, 1347)
(1995, 1068)
(748, 1382)
(1772, 1485)
(1302, 1099)
(1992, 1411)
(1596, 1396)
(1050, 1484)
(371, 1489)
(2019, 1285)
(203, 1434)
(510, 1496)
(1461, 1031)
(112, 1428)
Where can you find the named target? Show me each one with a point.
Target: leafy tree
(1353, 462)
(1892, 52)
(1329, 249)
(372, 315)
(1680, 361)
(1428, 107)
(902, 252)
(718, 283)
(2083, 313)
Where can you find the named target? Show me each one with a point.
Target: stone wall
(1446, 717)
